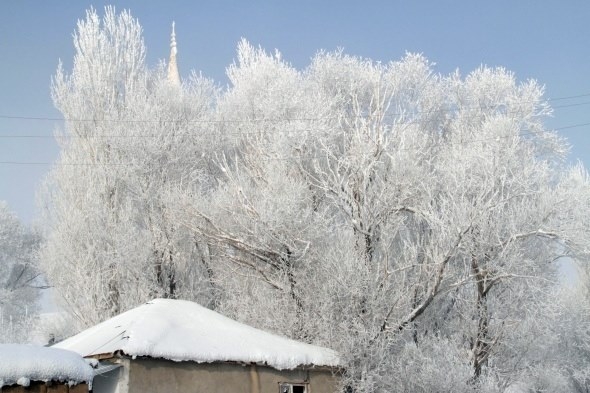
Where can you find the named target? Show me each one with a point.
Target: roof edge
(123, 355)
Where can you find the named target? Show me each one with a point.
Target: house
(27, 368)
(178, 346)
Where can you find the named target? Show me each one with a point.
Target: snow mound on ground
(185, 331)
(21, 364)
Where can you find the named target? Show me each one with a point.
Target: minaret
(173, 76)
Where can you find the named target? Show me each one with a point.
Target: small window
(286, 387)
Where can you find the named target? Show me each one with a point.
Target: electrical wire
(465, 142)
(284, 119)
(240, 133)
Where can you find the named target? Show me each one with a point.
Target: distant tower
(173, 76)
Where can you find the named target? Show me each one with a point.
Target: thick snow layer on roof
(21, 364)
(181, 330)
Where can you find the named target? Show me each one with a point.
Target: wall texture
(153, 375)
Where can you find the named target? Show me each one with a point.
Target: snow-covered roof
(185, 331)
(21, 364)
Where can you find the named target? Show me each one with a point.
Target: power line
(570, 105)
(467, 142)
(569, 97)
(239, 133)
(571, 126)
(254, 120)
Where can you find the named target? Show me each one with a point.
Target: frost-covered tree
(393, 214)
(565, 345)
(412, 221)
(19, 277)
(129, 136)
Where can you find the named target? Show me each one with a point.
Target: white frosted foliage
(413, 221)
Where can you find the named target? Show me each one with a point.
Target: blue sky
(546, 40)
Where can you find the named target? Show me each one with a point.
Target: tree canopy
(19, 277)
(413, 221)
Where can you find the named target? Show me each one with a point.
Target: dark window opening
(298, 389)
(286, 387)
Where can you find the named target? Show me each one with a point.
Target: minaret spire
(173, 76)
